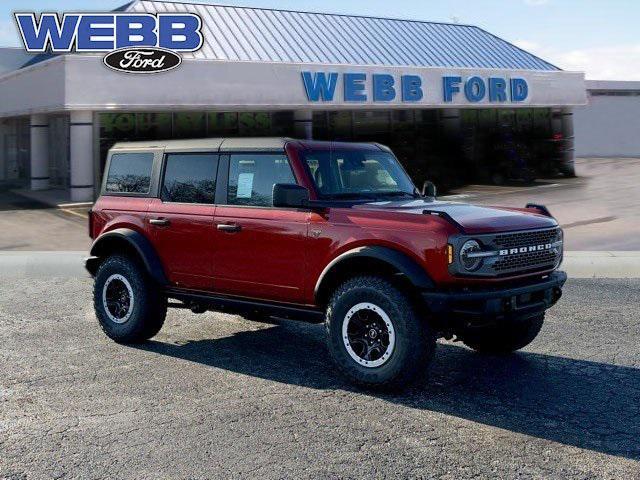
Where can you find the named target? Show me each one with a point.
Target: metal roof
(235, 33)
(12, 58)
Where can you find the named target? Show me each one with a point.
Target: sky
(599, 37)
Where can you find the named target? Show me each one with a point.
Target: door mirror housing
(429, 189)
(290, 195)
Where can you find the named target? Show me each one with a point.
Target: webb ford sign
(384, 87)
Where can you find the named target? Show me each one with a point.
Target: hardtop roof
(245, 144)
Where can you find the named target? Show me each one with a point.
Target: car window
(346, 173)
(189, 178)
(252, 177)
(130, 173)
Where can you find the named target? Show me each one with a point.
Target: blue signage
(382, 87)
(104, 32)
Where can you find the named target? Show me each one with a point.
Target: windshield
(344, 174)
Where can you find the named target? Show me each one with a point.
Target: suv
(316, 231)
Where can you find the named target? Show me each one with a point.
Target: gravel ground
(217, 396)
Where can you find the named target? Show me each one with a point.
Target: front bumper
(524, 300)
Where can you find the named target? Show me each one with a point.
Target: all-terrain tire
(504, 338)
(148, 309)
(415, 342)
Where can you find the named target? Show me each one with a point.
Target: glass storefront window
(402, 120)
(321, 126)
(469, 118)
(282, 124)
(524, 119)
(369, 123)
(340, 125)
(487, 118)
(222, 123)
(189, 125)
(542, 120)
(118, 126)
(506, 117)
(153, 125)
(254, 124)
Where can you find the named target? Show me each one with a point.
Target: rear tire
(127, 302)
(367, 309)
(506, 337)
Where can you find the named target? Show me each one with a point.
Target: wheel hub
(117, 298)
(368, 335)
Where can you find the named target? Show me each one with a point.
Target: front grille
(523, 239)
(511, 253)
(526, 261)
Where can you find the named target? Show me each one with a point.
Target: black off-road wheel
(375, 336)
(127, 302)
(505, 337)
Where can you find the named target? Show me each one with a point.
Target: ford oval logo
(142, 60)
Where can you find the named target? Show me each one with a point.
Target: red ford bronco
(316, 231)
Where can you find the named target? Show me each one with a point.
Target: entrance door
(181, 220)
(260, 250)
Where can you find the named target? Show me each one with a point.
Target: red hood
(472, 218)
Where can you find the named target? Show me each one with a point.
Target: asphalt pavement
(216, 396)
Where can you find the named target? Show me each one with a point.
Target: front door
(181, 220)
(260, 250)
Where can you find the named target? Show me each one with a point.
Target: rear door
(181, 219)
(260, 250)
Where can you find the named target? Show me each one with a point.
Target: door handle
(229, 227)
(160, 222)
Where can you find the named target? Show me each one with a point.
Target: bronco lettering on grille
(531, 248)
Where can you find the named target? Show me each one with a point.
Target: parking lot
(217, 396)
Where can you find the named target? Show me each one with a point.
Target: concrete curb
(42, 264)
(597, 264)
(602, 264)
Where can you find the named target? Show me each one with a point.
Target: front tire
(375, 335)
(129, 307)
(504, 337)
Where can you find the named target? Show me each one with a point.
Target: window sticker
(245, 185)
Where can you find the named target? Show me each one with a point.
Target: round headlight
(470, 263)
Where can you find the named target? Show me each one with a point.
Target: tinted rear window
(130, 173)
(190, 178)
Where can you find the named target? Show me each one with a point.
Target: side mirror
(429, 189)
(290, 195)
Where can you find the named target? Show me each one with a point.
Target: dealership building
(442, 96)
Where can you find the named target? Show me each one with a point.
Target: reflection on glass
(130, 173)
(189, 178)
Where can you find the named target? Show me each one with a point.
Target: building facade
(442, 96)
(608, 125)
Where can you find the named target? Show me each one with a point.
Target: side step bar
(201, 301)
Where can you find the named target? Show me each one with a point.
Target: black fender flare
(400, 261)
(138, 242)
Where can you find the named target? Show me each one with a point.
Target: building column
(81, 156)
(39, 126)
(303, 124)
